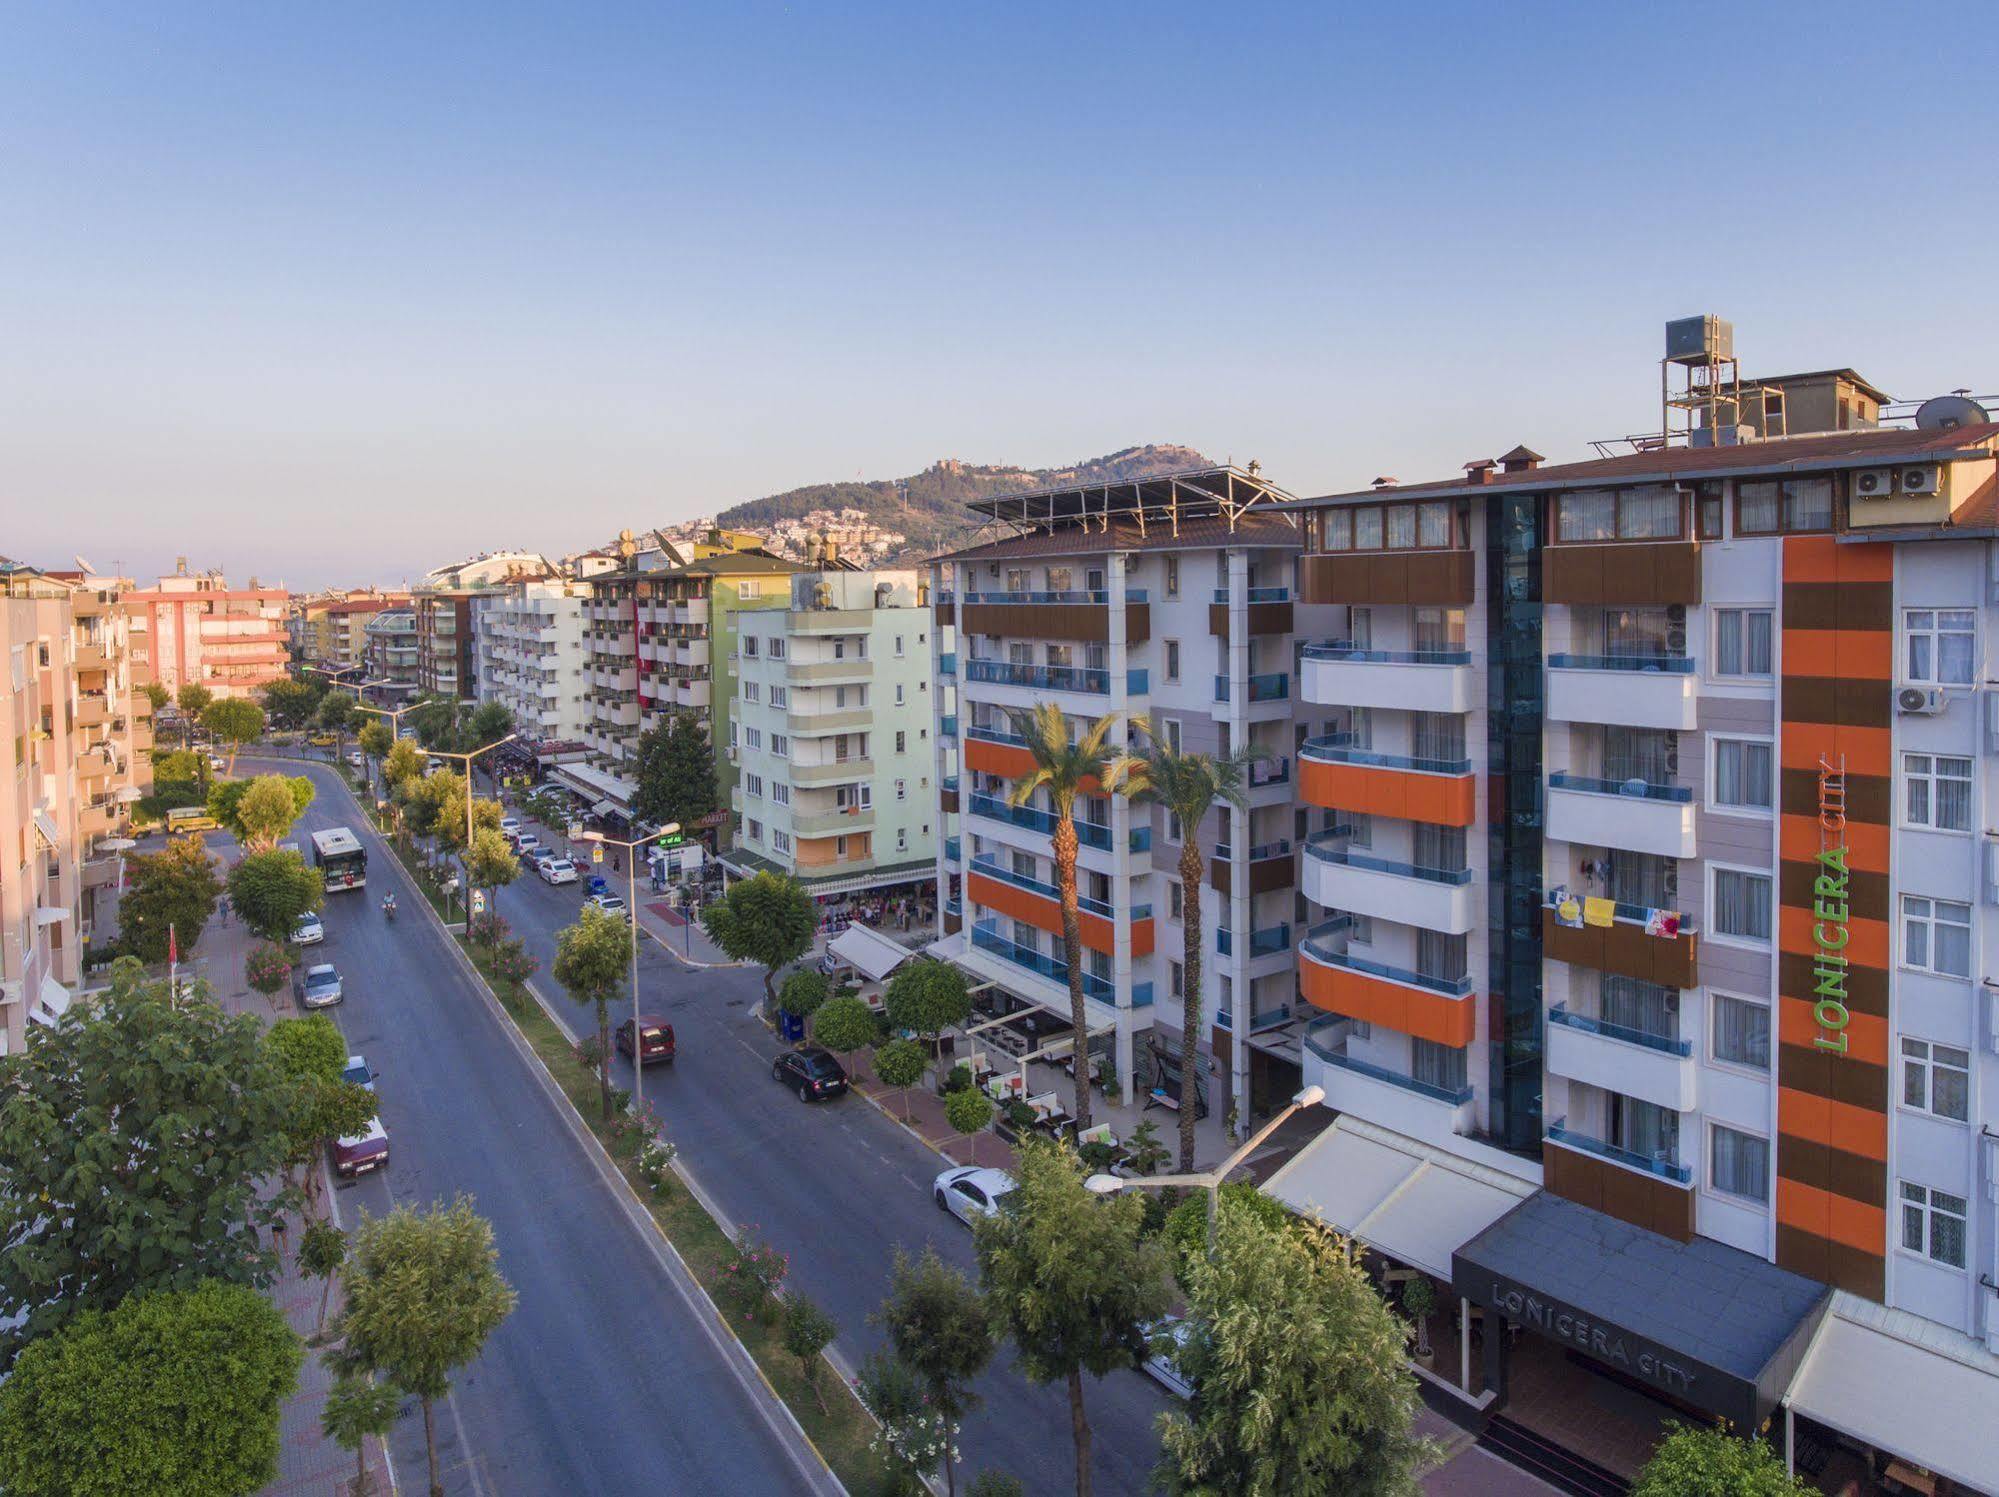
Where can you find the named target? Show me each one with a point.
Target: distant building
(531, 654)
(390, 654)
(193, 629)
(447, 655)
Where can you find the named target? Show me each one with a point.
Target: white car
(1168, 1337)
(526, 842)
(556, 871)
(308, 931)
(509, 824)
(971, 1191)
(354, 757)
(610, 904)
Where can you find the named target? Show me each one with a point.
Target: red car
(365, 1151)
(655, 1040)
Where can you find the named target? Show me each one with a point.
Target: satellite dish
(1949, 412)
(87, 567)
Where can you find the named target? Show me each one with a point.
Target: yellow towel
(1599, 911)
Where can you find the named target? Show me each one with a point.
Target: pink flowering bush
(752, 1277)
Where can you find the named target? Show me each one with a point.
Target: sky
(332, 295)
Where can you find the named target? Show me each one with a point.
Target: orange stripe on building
(1009, 761)
(1866, 944)
(1848, 654)
(1868, 751)
(1853, 1224)
(1800, 840)
(1821, 558)
(1866, 1035)
(1377, 1000)
(1411, 795)
(1856, 1130)
(1043, 913)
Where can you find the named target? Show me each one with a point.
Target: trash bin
(790, 1027)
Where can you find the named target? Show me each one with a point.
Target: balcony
(805, 673)
(840, 822)
(833, 771)
(1432, 1008)
(1272, 940)
(947, 663)
(95, 764)
(1271, 773)
(1082, 616)
(1038, 903)
(1626, 947)
(1273, 687)
(987, 938)
(92, 658)
(1267, 612)
(1274, 1018)
(1334, 773)
(1640, 691)
(1446, 577)
(1418, 1109)
(1087, 679)
(1654, 1068)
(1088, 834)
(1633, 814)
(1343, 878)
(953, 848)
(1339, 674)
(845, 720)
(688, 692)
(92, 709)
(1624, 574)
(1665, 1165)
(947, 794)
(947, 725)
(1270, 869)
(830, 620)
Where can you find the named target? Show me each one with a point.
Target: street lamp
(468, 756)
(1209, 1180)
(632, 914)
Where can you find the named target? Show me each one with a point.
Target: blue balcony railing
(1675, 665)
(948, 725)
(1083, 678)
(1258, 595)
(1271, 1018)
(1314, 946)
(988, 864)
(1338, 748)
(947, 663)
(1262, 852)
(1141, 995)
(988, 938)
(1274, 687)
(995, 809)
(1664, 1164)
(995, 735)
(1074, 595)
(1327, 849)
(1454, 1096)
(953, 850)
(954, 907)
(1266, 942)
(1346, 650)
(1141, 839)
(950, 783)
(1671, 1045)
(1635, 789)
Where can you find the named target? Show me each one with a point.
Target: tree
(291, 703)
(435, 720)
(968, 1110)
(844, 1026)
(234, 721)
(336, 714)
(1187, 785)
(804, 992)
(808, 1331)
(1065, 770)
(423, 1294)
(175, 887)
(174, 1394)
(157, 696)
(1297, 1368)
(1697, 1462)
(404, 763)
(1187, 1223)
(488, 723)
(914, 1431)
(940, 1327)
(259, 812)
(192, 700)
(768, 919)
(271, 890)
(321, 1105)
(489, 862)
(675, 771)
(1072, 1279)
(357, 1407)
(900, 1064)
(376, 740)
(926, 996)
(267, 968)
(591, 958)
(320, 1255)
(308, 1046)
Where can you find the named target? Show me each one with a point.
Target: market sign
(1829, 911)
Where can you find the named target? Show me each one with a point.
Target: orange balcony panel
(1043, 913)
(1440, 799)
(1428, 1016)
(1009, 761)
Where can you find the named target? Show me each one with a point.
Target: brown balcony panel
(953, 923)
(948, 799)
(1625, 949)
(1388, 577)
(1656, 1205)
(1266, 875)
(1264, 618)
(944, 613)
(1085, 623)
(1635, 572)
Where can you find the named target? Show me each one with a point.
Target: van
(190, 819)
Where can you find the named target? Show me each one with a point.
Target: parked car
(813, 1073)
(356, 758)
(971, 1191)
(357, 1072)
(216, 763)
(526, 842)
(655, 1043)
(509, 825)
(610, 904)
(1168, 1338)
(317, 986)
(364, 1151)
(322, 740)
(308, 931)
(556, 870)
(432, 766)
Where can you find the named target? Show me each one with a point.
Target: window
(753, 737)
(902, 790)
(753, 784)
(901, 741)
(1739, 1164)
(1741, 905)
(749, 647)
(1172, 659)
(1741, 1031)
(1742, 774)
(1360, 932)
(1176, 901)
(780, 793)
(1176, 976)
(902, 839)
(780, 841)
(1933, 1224)
(1395, 527)
(1936, 792)
(1742, 641)
(1936, 936)
(1173, 829)
(780, 696)
(748, 588)
(1645, 514)
(898, 693)
(1936, 1079)
(1172, 728)
(1172, 576)
(776, 648)
(780, 745)
(755, 830)
(1437, 1065)
(1940, 645)
(1783, 505)
(752, 691)
(898, 647)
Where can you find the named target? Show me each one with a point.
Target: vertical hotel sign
(1829, 910)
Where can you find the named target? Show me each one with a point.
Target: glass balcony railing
(1454, 1096)
(1274, 687)
(1676, 665)
(1662, 1164)
(1040, 677)
(988, 938)
(1667, 1043)
(1258, 595)
(947, 663)
(1325, 847)
(954, 907)
(1272, 1018)
(1084, 595)
(952, 850)
(1347, 650)
(1088, 833)
(948, 725)
(1273, 771)
(1634, 788)
(950, 783)
(1314, 946)
(1259, 853)
(995, 735)
(1339, 748)
(1266, 942)
(1141, 995)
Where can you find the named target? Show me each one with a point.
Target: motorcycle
(389, 908)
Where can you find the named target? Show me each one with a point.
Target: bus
(340, 858)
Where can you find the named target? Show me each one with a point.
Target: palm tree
(1186, 785)
(1067, 770)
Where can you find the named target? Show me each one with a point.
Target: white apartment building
(531, 655)
(1169, 600)
(831, 734)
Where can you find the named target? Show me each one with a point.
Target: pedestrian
(222, 908)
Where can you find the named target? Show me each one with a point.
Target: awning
(1709, 1324)
(868, 952)
(53, 1000)
(603, 806)
(1407, 1199)
(49, 914)
(1905, 1385)
(45, 828)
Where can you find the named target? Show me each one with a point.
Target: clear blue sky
(336, 293)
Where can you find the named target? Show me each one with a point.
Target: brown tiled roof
(1841, 449)
(1202, 533)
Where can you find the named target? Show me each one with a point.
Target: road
(837, 1186)
(604, 1379)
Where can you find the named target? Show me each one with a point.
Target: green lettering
(1834, 858)
(1819, 935)
(1832, 983)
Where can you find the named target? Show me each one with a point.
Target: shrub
(511, 962)
(995, 1484)
(1147, 1152)
(489, 929)
(1020, 1114)
(267, 968)
(753, 1274)
(1099, 1156)
(1187, 1223)
(655, 1166)
(967, 1110)
(960, 1079)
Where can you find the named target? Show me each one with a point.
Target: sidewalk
(309, 1464)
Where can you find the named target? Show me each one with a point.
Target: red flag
(173, 946)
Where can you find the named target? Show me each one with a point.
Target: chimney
(1480, 472)
(1386, 482)
(1522, 459)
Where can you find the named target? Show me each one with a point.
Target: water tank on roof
(1699, 340)
(1949, 412)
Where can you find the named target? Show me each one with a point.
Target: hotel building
(390, 654)
(531, 655)
(193, 629)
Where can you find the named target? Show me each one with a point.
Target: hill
(929, 507)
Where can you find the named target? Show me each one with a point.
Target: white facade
(532, 655)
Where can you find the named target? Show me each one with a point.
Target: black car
(813, 1073)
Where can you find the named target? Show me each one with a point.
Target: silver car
(1169, 1338)
(971, 1191)
(318, 986)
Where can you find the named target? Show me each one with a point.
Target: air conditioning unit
(1873, 483)
(1919, 701)
(1924, 480)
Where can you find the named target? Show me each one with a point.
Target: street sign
(478, 901)
(597, 853)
